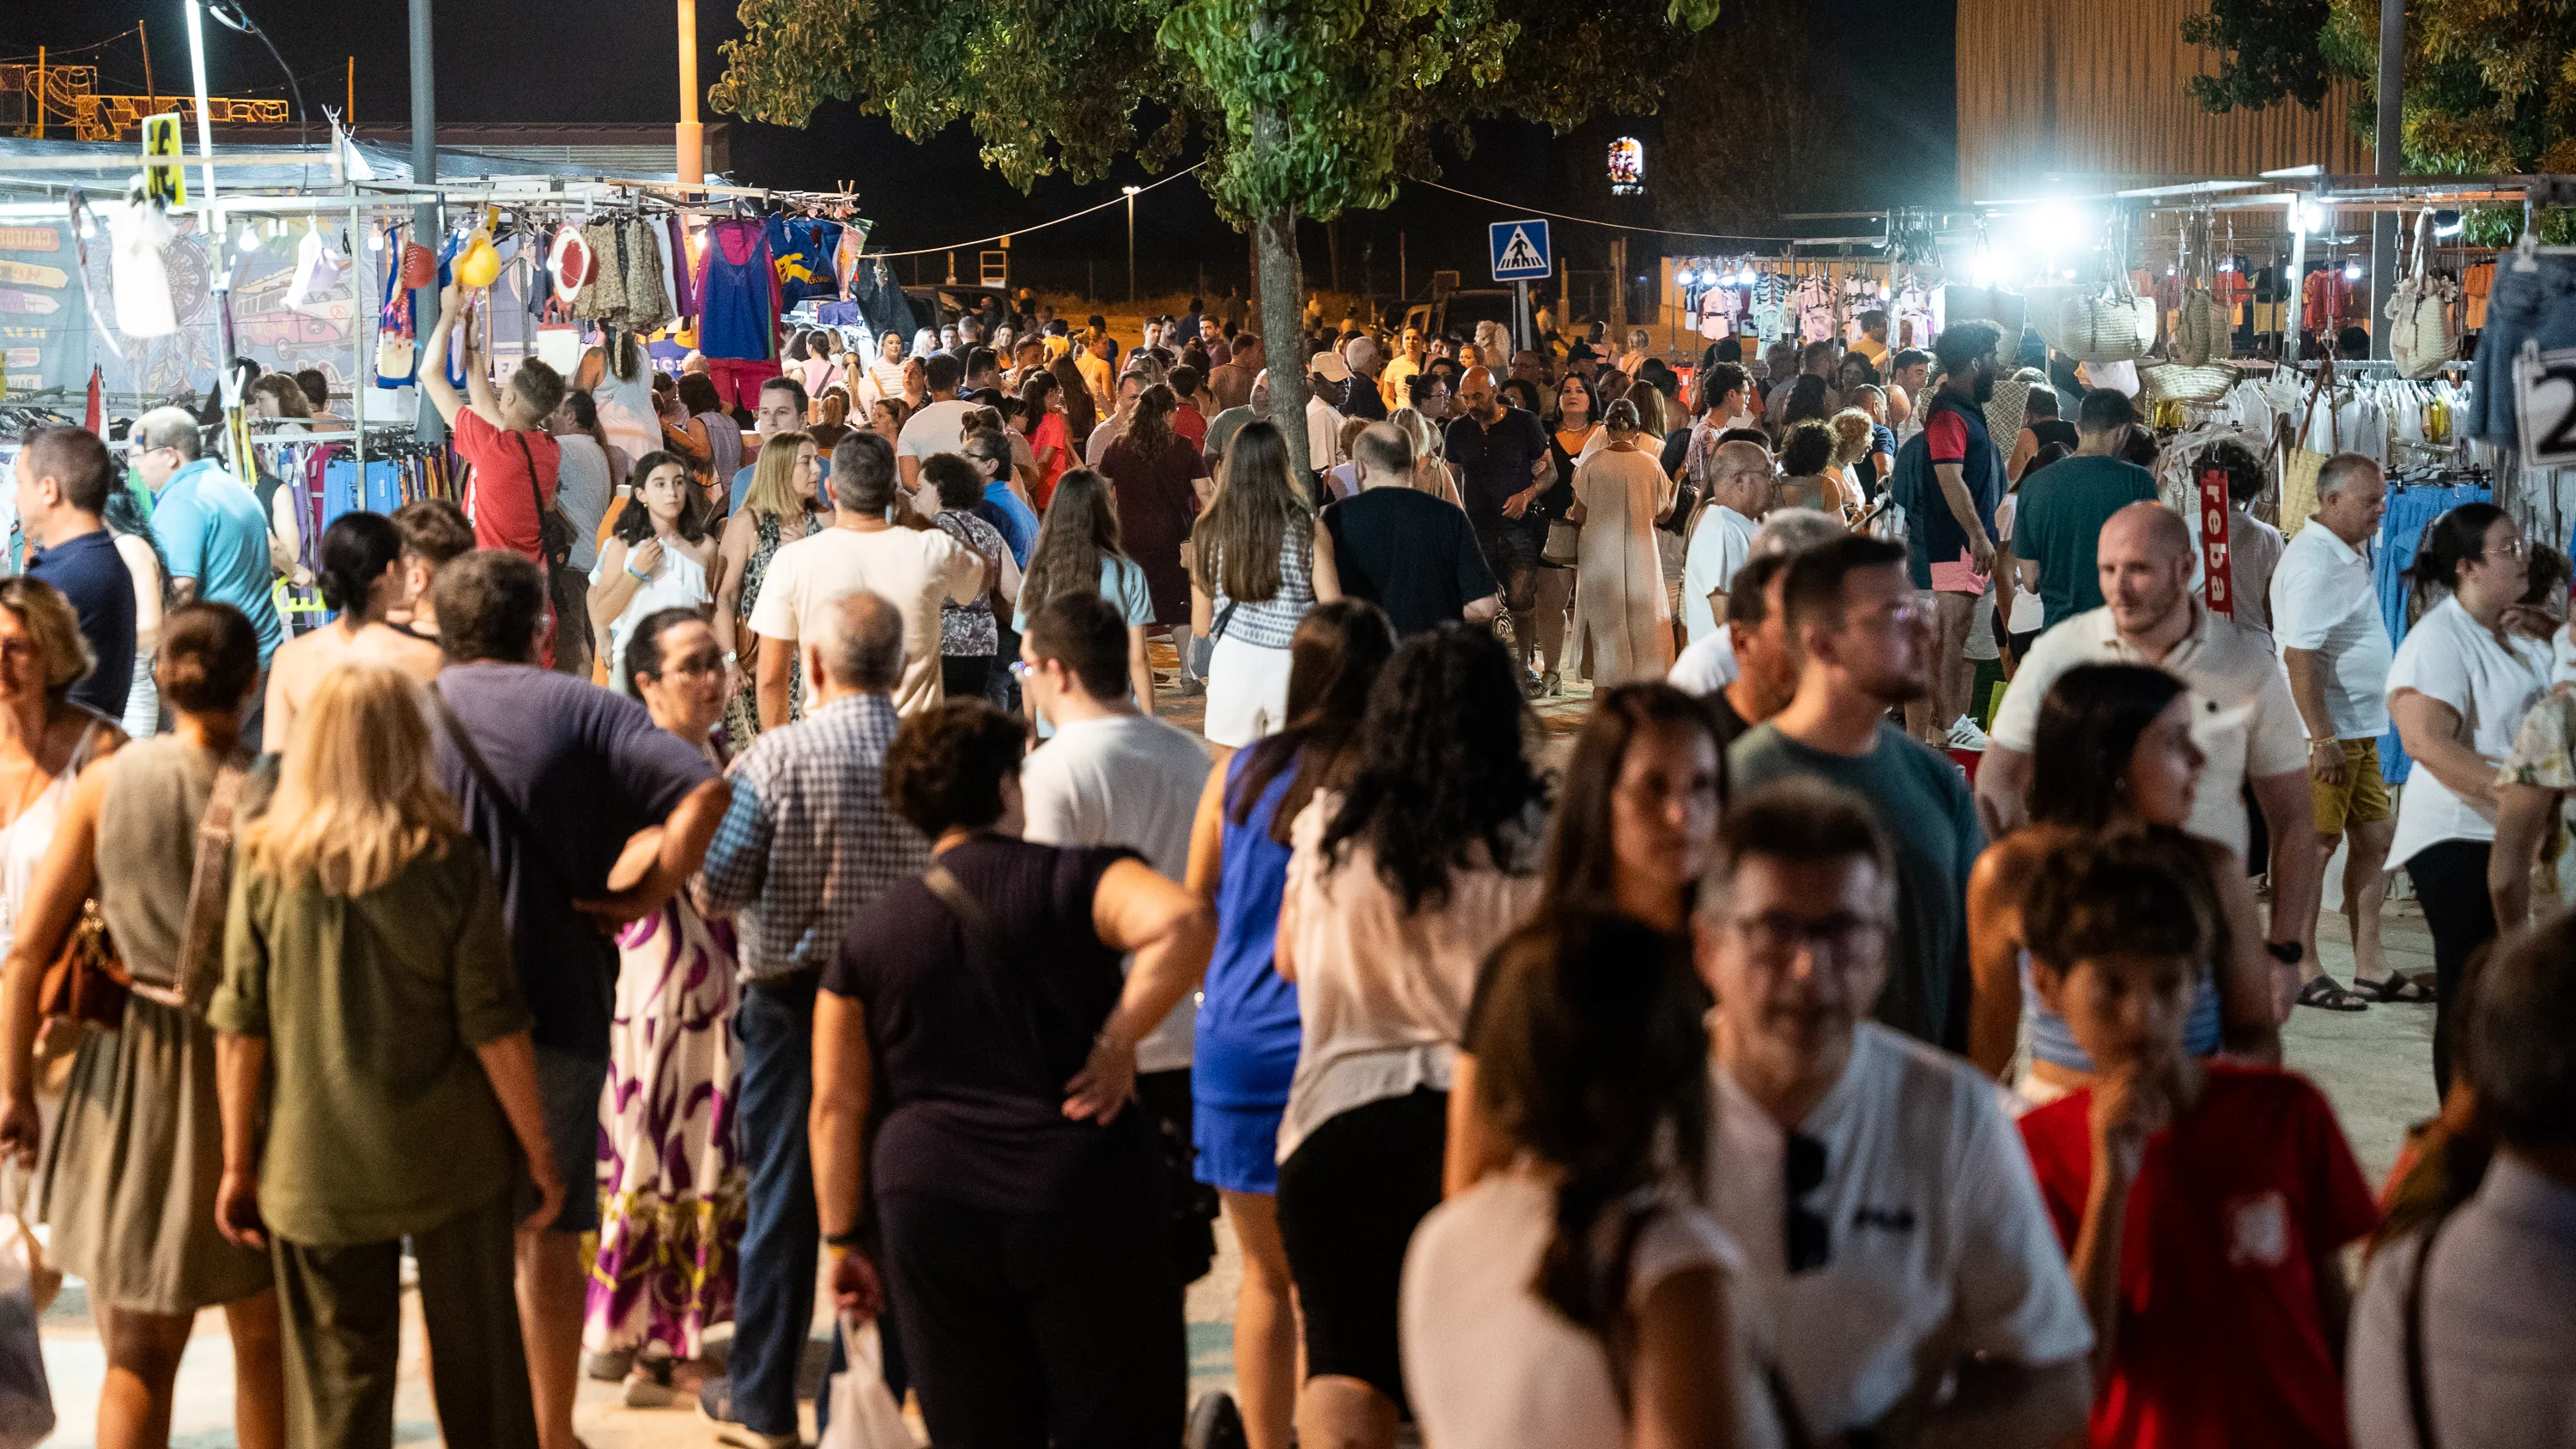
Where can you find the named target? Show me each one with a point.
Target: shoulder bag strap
(537, 500)
(201, 929)
(2419, 1386)
(987, 932)
(502, 804)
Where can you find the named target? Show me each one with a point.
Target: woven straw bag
(2185, 382)
(2422, 329)
(2200, 328)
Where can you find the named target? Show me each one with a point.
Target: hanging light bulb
(249, 239)
(2352, 271)
(375, 241)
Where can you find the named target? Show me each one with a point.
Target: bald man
(1501, 455)
(1739, 489)
(2242, 715)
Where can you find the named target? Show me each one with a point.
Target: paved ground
(2376, 1066)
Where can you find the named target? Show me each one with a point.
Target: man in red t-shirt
(2203, 1205)
(515, 461)
(503, 439)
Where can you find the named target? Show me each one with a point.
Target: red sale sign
(2217, 576)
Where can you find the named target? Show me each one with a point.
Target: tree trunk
(1281, 323)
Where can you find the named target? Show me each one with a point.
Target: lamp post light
(1131, 243)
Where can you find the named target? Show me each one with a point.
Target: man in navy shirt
(1501, 455)
(63, 478)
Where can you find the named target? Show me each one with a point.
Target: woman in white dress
(659, 557)
(624, 393)
(1623, 618)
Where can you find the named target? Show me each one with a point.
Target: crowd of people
(753, 849)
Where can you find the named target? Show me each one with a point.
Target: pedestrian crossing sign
(1520, 250)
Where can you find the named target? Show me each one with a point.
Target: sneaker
(1964, 735)
(715, 1405)
(649, 1387)
(609, 1367)
(1551, 684)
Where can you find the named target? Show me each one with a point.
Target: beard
(1896, 686)
(1984, 391)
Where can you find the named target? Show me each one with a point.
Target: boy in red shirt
(2203, 1205)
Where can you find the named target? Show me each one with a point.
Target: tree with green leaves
(1306, 107)
(2490, 85)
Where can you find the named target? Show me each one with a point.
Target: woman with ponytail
(2457, 691)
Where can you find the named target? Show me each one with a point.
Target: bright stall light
(2352, 271)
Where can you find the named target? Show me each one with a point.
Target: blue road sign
(1520, 250)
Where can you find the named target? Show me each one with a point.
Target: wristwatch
(2288, 953)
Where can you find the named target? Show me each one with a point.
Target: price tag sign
(165, 179)
(2544, 405)
(2218, 578)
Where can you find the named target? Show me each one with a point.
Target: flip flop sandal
(2396, 989)
(2325, 995)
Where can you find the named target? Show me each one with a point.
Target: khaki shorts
(2361, 798)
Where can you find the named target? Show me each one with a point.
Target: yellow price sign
(165, 175)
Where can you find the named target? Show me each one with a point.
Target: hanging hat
(572, 262)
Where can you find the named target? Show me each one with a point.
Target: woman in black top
(975, 1027)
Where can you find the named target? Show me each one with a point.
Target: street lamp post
(1131, 243)
(689, 135)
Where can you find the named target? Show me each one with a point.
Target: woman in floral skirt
(670, 1178)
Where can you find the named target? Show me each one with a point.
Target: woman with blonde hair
(784, 503)
(1431, 471)
(1259, 559)
(129, 1174)
(832, 415)
(374, 1064)
(1852, 435)
(1623, 620)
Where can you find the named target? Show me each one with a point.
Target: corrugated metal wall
(2098, 87)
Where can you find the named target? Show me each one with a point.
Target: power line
(1594, 221)
(52, 51)
(1041, 226)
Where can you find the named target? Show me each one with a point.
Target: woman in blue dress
(1248, 1027)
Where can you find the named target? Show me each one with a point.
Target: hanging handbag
(2422, 334)
(397, 350)
(2186, 383)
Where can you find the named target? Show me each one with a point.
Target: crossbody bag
(554, 531)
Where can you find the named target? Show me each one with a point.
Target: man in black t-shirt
(63, 475)
(1501, 455)
(1407, 551)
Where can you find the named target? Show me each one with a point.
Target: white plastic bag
(26, 1399)
(864, 1415)
(142, 281)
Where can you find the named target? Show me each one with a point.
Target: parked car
(1455, 312)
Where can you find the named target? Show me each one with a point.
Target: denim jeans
(774, 1304)
(2537, 304)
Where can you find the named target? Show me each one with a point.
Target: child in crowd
(2203, 1204)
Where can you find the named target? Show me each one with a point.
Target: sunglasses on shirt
(1810, 1237)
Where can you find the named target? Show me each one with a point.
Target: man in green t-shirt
(1865, 640)
(2064, 505)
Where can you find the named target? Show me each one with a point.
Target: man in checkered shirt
(808, 840)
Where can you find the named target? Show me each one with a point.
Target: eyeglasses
(2519, 548)
(1777, 935)
(1810, 1237)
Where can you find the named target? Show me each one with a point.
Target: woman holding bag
(129, 1176)
(785, 503)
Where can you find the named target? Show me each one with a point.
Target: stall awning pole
(2392, 167)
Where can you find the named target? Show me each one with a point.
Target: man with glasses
(1739, 485)
(1863, 636)
(213, 531)
(1887, 1216)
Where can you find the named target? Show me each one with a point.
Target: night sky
(587, 60)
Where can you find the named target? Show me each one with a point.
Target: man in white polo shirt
(1722, 538)
(2325, 617)
(1891, 1228)
(2242, 717)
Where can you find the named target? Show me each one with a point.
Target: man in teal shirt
(213, 531)
(2058, 522)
